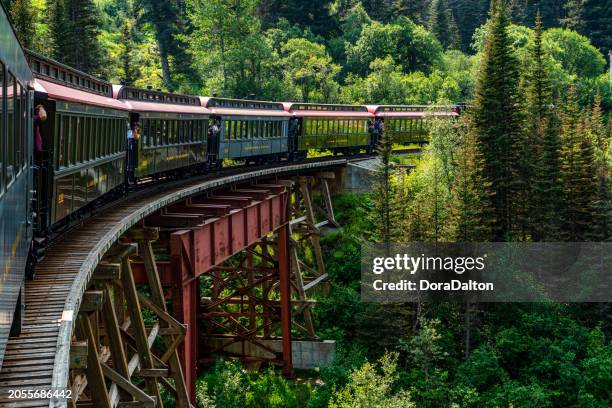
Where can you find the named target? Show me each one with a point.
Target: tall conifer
(544, 143)
(471, 213)
(497, 122)
(23, 17)
(75, 25)
(579, 173)
(602, 209)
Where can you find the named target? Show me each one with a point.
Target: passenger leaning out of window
(133, 133)
(40, 115)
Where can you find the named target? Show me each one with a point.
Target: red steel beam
(242, 221)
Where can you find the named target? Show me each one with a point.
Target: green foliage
(23, 18)
(410, 45)
(310, 68)
(227, 385)
(442, 24)
(371, 386)
(75, 30)
(496, 121)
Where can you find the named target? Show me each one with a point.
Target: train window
(200, 128)
(86, 139)
(90, 140)
(171, 132)
(105, 139)
(95, 134)
(112, 136)
(24, 127)
(181, 131)
(2, 121)
(164, 131)
(145, 133)
(19, 132)
(69, 140)
(59, 146)
(10, 139)
(229, 128)
(158, 132)
(236, 129)
(78, 140)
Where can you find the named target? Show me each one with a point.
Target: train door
(133, 133)
(213, 139)
(295, 127)
(44, 158)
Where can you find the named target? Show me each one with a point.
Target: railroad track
(38, 359)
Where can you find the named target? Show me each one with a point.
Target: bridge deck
(38, 359)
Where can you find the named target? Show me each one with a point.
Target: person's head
(41, 112)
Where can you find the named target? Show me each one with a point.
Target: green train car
(407, 124)
(84, 140)
(336, 128)
(173, 130)
(254, 131)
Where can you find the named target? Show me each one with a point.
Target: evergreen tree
(497, 122)
(469, 15)
(544, 143)
(574, 15)
(384, 192)
(578, 172)
(23, 17)
(416, 10)
(442, 23)
(170, 23)
(130, 70)
(598, 20)
(471, 213)
(75, 26)
(602, 227)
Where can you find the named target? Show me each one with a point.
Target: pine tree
(598, 20)
(544, 143)
(130, 70)
(578, 172)
(23, 17)
(416, 10)
(496, 120)
(75, 25)
(574, 15)
(471, 212)
(602, 209)
(384, 191)
(442, 23)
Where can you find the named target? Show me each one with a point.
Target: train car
(84, 141)
(337, 128)
(407, 124)
(254, 131)
(174, 129)
(15, 178)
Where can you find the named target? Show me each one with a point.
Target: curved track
(39, 357)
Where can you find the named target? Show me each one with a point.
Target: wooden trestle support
(214, 275)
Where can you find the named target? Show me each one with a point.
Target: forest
(530, 160)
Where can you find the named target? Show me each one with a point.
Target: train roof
(327, 110)
(243, 107)
(11, 54)
(63, 93)
(49, 70)
(413, 111)
(148, 100)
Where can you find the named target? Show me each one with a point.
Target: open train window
(2, 121)
(9, 162)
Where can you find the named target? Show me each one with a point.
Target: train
(83, 159)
